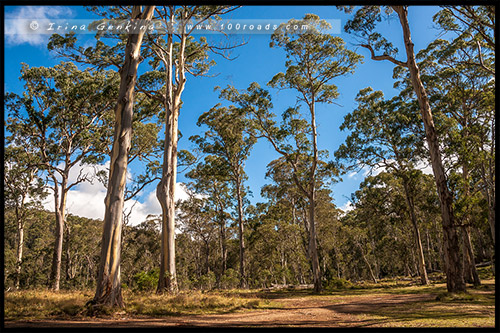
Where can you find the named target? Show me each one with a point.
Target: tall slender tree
(228, 141)
(314, 59)
(172, 55)
(396, 144)
(23, 189)
(108, 289)
(177, 58)
(463, 94)
(363, 24)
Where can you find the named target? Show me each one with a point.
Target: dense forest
(118, 101)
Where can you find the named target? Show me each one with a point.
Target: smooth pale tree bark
(315, 60)
(421, 259)
(372, 275)
(176, 66)
(313, 246)
(243, 282)
(223, 241)
(487, 171)
(108, 290)
(165, 191)
(69, 259)
(61, 125)
(60, 213)
(451, 245)
(19, 257)
(491, 214)
(385, 147)
(21, 212)
(470, 272)
(469, 264)
(227, 144)
(20, 217)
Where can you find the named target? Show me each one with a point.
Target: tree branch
(489, 70)
(384, 56)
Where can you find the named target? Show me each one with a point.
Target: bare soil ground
(294, 311)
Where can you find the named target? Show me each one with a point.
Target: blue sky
(257, 62)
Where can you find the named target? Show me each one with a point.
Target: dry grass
(44, 304)
(192, 302)
(38, 304)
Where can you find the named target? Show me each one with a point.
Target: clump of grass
(456, 297)
(485, 273)
(335, 283)
(68, 308)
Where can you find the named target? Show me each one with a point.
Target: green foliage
(314, 58)
(146, 281)
(141, 250)
(379, 226)
(397, 144)
(206, 281)
(230, 279)
(335, 283)
(62, 114)
(363, 25)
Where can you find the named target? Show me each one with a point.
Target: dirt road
(324, 311)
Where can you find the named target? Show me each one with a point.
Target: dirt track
(295, 312)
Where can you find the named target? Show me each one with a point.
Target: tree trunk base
(104, 304)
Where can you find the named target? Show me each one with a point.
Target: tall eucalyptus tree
(108, 290)
(229, 144)
(314, 59)
(363, 24)
(187, 55)
(395, 144)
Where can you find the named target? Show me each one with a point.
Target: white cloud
(87, 203)
(352, 174)
(376, 170)
(347, 207)
(87, 199)
(17, 23)
(151, 206)
(425, 167)
(365, 171)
